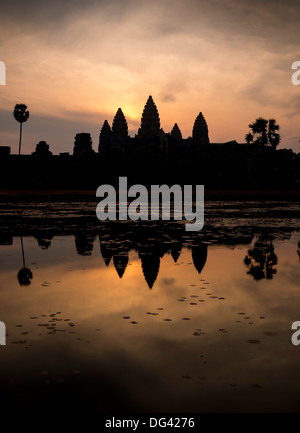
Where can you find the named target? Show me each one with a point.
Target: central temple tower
(119, 126)
(150, 122)
(200, 130)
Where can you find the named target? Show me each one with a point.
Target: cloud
(230, 60)
(167, 97)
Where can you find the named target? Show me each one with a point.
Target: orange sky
(74, 64)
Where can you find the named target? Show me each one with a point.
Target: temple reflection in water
(151, 242)
(146, 305)
(115, 247)
(150, 252)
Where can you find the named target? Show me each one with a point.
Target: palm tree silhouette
(263, 134)
(261, 260)
(21, 114)
(24, 275)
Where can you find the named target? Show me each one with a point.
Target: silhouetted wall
(230, 165)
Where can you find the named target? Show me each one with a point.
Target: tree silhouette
(24, 275)
(21, 114)
(261, 260)
(263, 134)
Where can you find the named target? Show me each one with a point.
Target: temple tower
(105, 138)
(150, 122)
(119, 126)
(42, 150)
(120, 262)
(83, 145)
(176, 133)
(200, 130)
(150, 267)
(199, 256)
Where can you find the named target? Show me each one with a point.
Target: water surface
(132, 317)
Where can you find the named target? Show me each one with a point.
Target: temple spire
(105, 138)
(120, 262)
(176, 133)
(199, 256)
(150, 122)
(119, 126)
(150, 267)
(200, 130)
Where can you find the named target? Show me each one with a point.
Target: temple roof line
(150, 129)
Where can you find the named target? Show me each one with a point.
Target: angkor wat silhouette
(152, 156)
(149, 131)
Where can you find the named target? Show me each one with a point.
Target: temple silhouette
(151, 156)
(149, 132)
(151, 241)
(116, 244)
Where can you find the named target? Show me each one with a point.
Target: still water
(145, 317)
